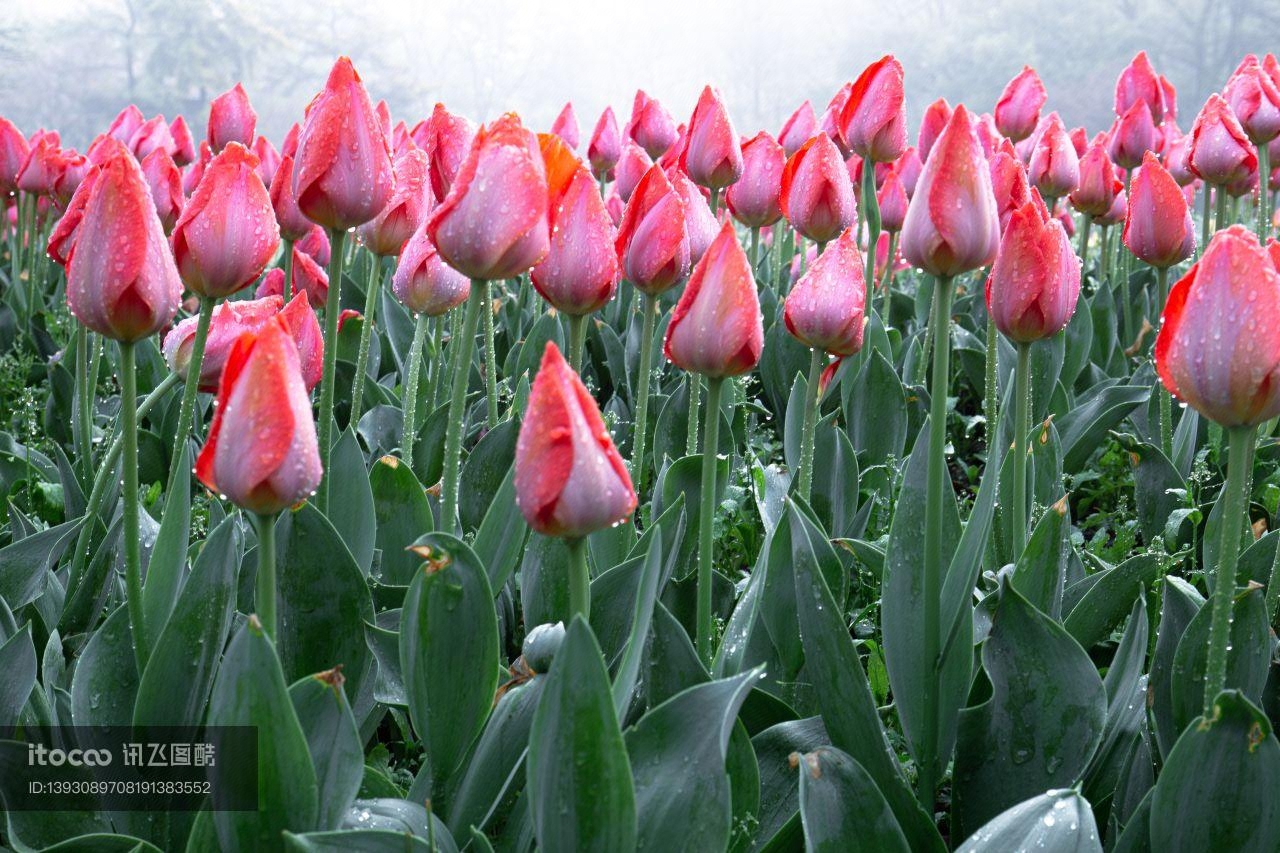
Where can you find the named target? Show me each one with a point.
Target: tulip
(184, 146)
(127, 121)
(13, 153)
(699, 220)
(651, 126)
(616, 206)
(566, 126)
(1055, 168)
(1079, 140)
(873, 121)
(1018, 110)
(1133, 135)
(989, 135)
(1158, 227)
(1119, 210)
(447, 140)
(387, 232)
(73, 169)
(231, 119)
(63, 239)
(605, 148)
(1139, 84)
(825, 309)
(261, 394)
(1219, 350)
(152, 135)
(1176, 153)
(165, 182)
(383, 111)
(1220, 151)
(268, 159)
(716, 330)
(893, 202)
(293, 225)
(39, 172)
(909, 167)
(227, 231)
(653, 239)
(754, 199)
(195, 171)
(306, 275)
(674, 155)
(569, 478)
(423, 282)
(230, 321)
(829, 122)
(798, 129)
(1254, 95)
(316, 244)
(936, 116)
(1099, 182)
(817, 196)
(713, 156)
(632, 166)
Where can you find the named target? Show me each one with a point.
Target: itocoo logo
(40, 755)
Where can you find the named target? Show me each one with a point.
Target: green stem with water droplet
(490, 361)
(372, 288)
(409, 430)
(287, 292)
(694, 384)
(871, 216)
(817, 360)
(577, 336)
(190, 389)
(332, 307)
(579, 578)
(265, 586)
(706, 519)
(132, 544)
(464, 346)
(649, 319)
(1240, 444)
(1264, 194)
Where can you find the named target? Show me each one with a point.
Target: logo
(39, 755)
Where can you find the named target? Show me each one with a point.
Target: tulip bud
(936, 116)
(1139, 84)
(165, 182)
(121, 280)
(674, 154)
(1055, 167)
(1018, 110)
(184, 146)
(605, 148)
(1177, 158)
(566, 126)
(387, 232)
(952, 225)
(651, 126)
(909, 167)
(227, 231)
(63, 239)
(1219, 345)
(268, 159)
(1116, 215)
(716, 328)
(616, 206)
(309, 277)
(798, 129)
(262, 453)
(231, 119)
(1220, 153)
(153, 135)
(825, 310)
(1132, 136)
(1099, 182)
(874, 120)
(1255, 99)
(1158, 227)
(39, 172)
(125, 124)
(293, 225)
(753, 200)
(698, 219)
(423, 282)
(653, 239)
(343, 176)
(316, 244)
(13, 153)
(493, 223)
(817, 195)
(191, 177)
(1035, 282)
(1009, 184)
(230, 320)
(631, 168)
(73, 169)
(580, 273)
(570, 479)
(893, 202)
(446, 138)
(713, 157)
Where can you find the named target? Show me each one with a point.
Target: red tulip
(194, 172)
(874, 119)
(651, 126)
(1009, 184)
(230, 320)
(383, 112)
(1177, 155)
(753, 200)
(1158, 227)
(1079, 140)
(1170, 97)
(121, 279)
(990, 137)
(1220, 153)
(231, 119)
(829, 122)
(262, 453)
(268, 159)
(1018, 110)
(73, 169)
(817, 195)
(13, 153)
(798, 129)
(716, 328)
(227, 231)
(1219, 345)
(952, 225)
(153, 135)
(316, 244)
(653, 239)
(631, 168)
(1055, 167)
(570, 480)
(447, 140)
(126, 122)
(309, 278)
(616, 206)
(566, 126)
(1099, 182)
(1118, 211)
(423, 282)
(493, 223)
(674, 154)
(893, 201)
(410, 200)
(184, 146)
(825, 309)
(580, 273)
(698, 219)
(39, 172)
(909, 167)
(713, 156)
(293, 225)
(1255, 99)
(63, 239)
(165, 182)
(1132, 136)
(605, 148)
(343, 176)
(936, 116)
(1035, 283)
(1139, 84)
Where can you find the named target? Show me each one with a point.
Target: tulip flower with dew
(1219, 153)
(1140, 84)
(717, 331)
(936, 116)
(799, 128)
(231, 119)
(1055, 167)
(570, 480)
(1218, 349)
(605, 148)
(713, 155)
(893, 201)
(1254, 97)
(446, 138)
(651, 126)
(165, 182)
(754, 199)
(825, 311)
(566, 127)
(816, 194)
(1018, 111)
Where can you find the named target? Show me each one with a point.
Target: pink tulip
(125, 124)
(874, 120)
(566, 127)
(194, 172)
(825, 309)
(1139, 84)
(799, 128)
(63, 239)
(39, 172)
(1018, 110)
(1009, 183)
(1132, 136)
(1220, 152)
(1099, 182)
(893, 201)
(829, 121)
(184, 146)
(308, 278)
(13, 153)
(230, 320)
(268, 159)
(1158, 227)
(651, 126)
(713, 157)
(817, 196)
(73, 169)
(632, 166)
(231, 119)
(1035, 282)
(1119, 210)
(909, 167)
(293, 225)
(605, 148)
(410, 200)
(1255, 99)
(698, 218)
(316, 244)
(152, 135)
(580, 273)
(423, 282)
(753, 200)
(1055, 167)
(936, 116)
(653, 239)
(165, 182)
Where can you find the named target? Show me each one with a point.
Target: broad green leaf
(876, 411)
(23, 564)
(500, 540)
(17, 677)
(332, 739)
(1109, 598)
(544, 580)
(483, 474)
(105, 684)
(168, 563)
(401, 515)
(1058, 821)
(1180, 603)
(351, 507)
(1098, 411)
(1040, 572)
(779, 819)
(841, 808)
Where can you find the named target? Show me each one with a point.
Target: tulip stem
(649, 318)
(870, 215)
(934, 546)
(1021, 426)
(409, 432)
(490, 357)
(694, 384)
(287, 292)
(1206, 219)
(1264, 194)
(817, 361)
(886, 280)
(706, 518)
(332, 307)
(465, 346)
(1220, 216)
(83, 404)
(1241, 440)
(991, 395)
(579, 578)
(372, 289)
(577, 336)
(755, 248)
(1085, 228)
(190, 389)
(715, 201)
(264, 597)
(132, 546)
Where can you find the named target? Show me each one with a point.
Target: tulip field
(444, 483)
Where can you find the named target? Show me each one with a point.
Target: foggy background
(72, 64)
